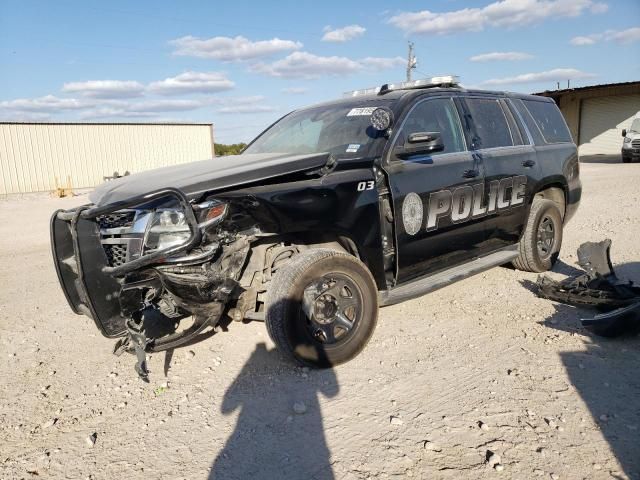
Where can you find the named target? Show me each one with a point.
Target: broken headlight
(168, 227)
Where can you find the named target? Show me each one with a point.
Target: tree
(233, 149)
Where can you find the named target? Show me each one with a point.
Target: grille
(116, 254)
(116, 219)
(636, 143)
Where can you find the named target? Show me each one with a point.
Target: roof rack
(439, 81)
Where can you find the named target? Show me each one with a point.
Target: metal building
(36, 157)
(597, 114)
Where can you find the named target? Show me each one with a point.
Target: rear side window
(549, 120)
(492, 128)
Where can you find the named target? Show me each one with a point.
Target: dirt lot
(554, 402)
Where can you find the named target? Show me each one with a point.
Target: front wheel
(322, 308)
(540, 243)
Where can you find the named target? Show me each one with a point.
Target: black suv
(332, 211)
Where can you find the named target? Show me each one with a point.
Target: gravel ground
(481, 370)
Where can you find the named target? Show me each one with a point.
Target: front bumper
(93, 287)
(631, 153)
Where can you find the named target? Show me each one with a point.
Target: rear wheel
(540, 243)
(322, 308)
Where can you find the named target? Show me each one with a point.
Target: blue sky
(241, 65)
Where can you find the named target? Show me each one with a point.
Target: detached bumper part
(599, 288)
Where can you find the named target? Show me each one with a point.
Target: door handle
(470, 174)
(528, 163)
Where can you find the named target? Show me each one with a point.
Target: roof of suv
(408, 94)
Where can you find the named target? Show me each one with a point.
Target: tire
(626, 159)
(331, 280)
(542, 238)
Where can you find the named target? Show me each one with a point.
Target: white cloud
(382, 63)
(105, 88)
(192, 82)
(46, 104)
(580, 41)
(146, 108)
(629, 35)
(599, 8)
(502, 13)
(230, 49)
(163, 105)
(15, 116)
(558, 74)
(246, 109)
(308, 65)
(295, 90)
(343, 34)
(501, 56)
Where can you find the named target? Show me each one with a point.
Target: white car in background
(631, 142)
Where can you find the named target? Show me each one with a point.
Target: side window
(514, 126)
(435, 115)
(528, 120)
(549, 120)
(490, 123)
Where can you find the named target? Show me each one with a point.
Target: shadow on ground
(606, 374)
(601, 158)
(271, 440)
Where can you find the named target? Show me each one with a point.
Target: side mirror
(624, 132)
(420, 143)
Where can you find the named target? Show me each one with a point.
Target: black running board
(421, 286)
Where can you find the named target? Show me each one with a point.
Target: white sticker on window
(353, 147)
(361, 111)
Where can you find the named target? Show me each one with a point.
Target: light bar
(441, 80)
(364, 91)
(423, 83)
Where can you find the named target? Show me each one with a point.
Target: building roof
(559, 93)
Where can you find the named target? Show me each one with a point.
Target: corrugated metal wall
(33, 155)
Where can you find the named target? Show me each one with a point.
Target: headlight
(167, 228)
(627, 139)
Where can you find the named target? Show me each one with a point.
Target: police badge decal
(412, 213)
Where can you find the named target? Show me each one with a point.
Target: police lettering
(468, 201)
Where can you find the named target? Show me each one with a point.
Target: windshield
(342, 130)
(635, 126)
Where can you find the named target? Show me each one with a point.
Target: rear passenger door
(501, 143)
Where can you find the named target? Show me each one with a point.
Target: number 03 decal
(362, 186)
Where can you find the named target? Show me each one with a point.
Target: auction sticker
(361, 111)
(353, 147)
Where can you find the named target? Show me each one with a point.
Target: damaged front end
(156, 270)
(599, 288)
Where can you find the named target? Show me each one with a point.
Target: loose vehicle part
(598, 288)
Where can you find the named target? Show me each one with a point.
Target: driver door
(433, 193)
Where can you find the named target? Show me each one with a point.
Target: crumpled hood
(216, 173)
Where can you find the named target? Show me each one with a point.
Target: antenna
(412, 61)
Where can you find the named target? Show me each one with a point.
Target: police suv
(331, 212)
